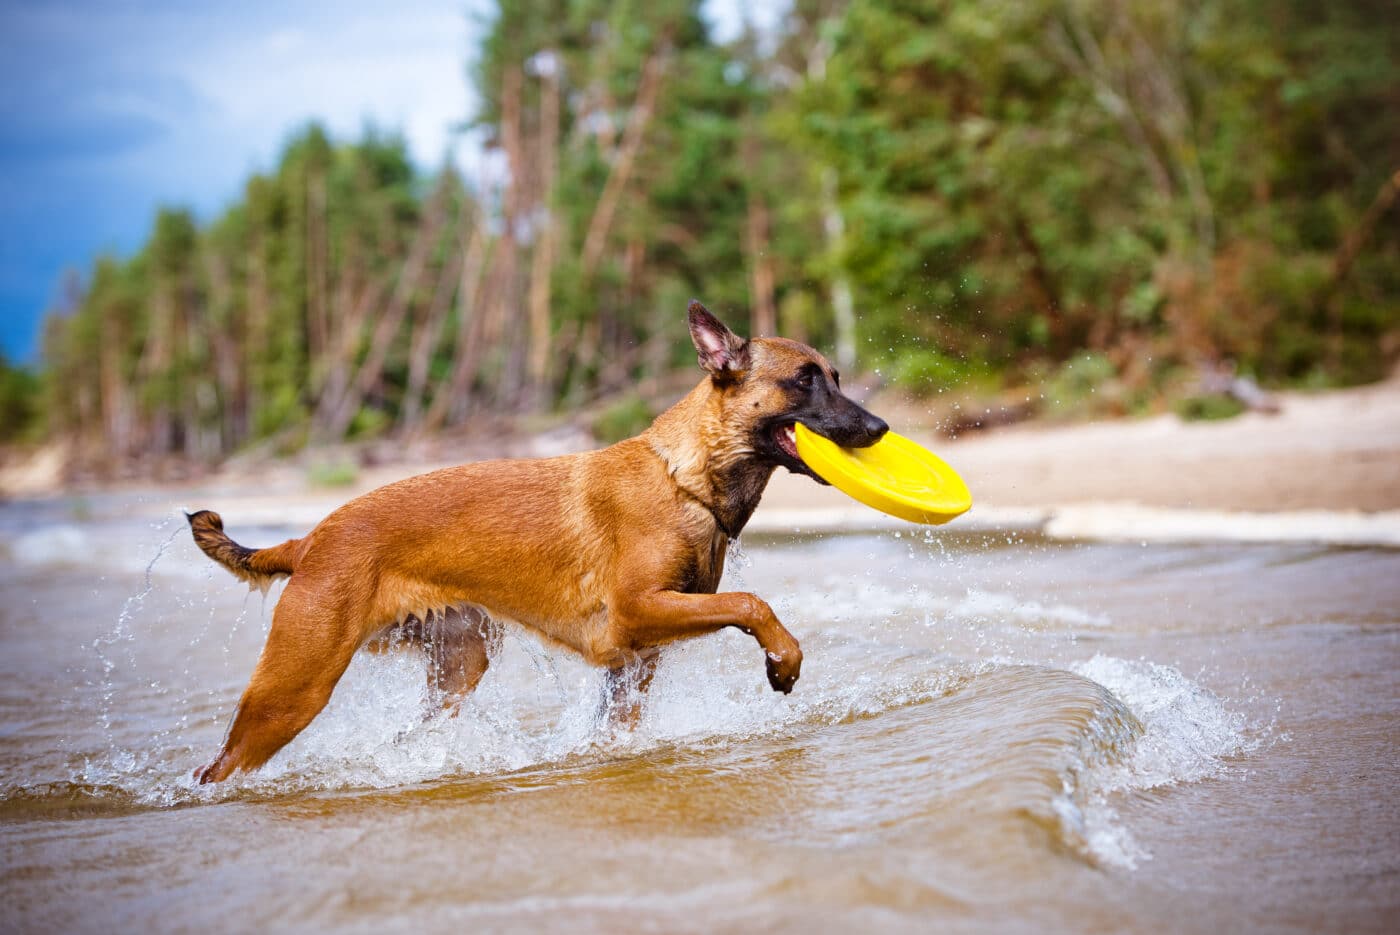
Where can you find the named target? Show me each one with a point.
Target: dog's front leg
(651, 618)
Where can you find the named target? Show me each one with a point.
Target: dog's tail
(258, 567)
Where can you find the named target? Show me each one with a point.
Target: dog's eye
(804, 379)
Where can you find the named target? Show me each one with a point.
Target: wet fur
(610, 553)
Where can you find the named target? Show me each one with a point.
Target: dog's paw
(209, 772)
(783, 669)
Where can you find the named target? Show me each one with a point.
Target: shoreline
(54, 529)
(1109, 522)
(1326, 469)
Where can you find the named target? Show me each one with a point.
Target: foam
(1186, 734)
(1188, 731)
(1153, 728)
(838, 597)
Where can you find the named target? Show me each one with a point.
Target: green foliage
(1080, 387)
(216, 336)
(1208, 408)
(925, 371)
(19, 402)
(339, 472)
(624, 418)
(368, 423)
(1047, 175)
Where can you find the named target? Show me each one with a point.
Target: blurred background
(256, 228)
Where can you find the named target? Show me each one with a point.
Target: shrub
(925, 371)
(622, 419)
(19, 397)
(341, 472)
(1208, 407)
(1078, 387)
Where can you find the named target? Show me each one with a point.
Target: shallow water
(992, 732)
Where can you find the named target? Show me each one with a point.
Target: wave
(1082, 736)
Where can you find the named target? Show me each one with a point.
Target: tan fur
(610, 553)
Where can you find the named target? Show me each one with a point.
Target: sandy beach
(1338, 450)
(1325, 468)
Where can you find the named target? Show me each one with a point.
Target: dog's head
(771, 384)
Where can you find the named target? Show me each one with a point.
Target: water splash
(1188, 733)
(736, 563)
(121, 636)
(1157, 728)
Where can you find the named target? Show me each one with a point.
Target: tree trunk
(342, 411)
(842, 302)
(317, 278)
(256, 346)
(225, 351)
(1043, 282)
(648, 89)
(542, 260)
(762, 308)
(116, 403)
(1352, 245)
(425, 340)
(503, 307)
(450, 398)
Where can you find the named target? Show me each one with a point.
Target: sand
(1338, 450)
(1326, 468)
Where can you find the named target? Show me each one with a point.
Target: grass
(341, 472)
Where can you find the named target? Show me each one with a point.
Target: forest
(947, 195)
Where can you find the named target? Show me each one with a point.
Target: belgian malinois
(611, 553)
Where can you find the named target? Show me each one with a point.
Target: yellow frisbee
(894, 475)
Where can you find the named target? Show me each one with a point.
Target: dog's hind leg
(307, 651)
(625, 689)
(457, 645)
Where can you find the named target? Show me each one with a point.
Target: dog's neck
(711, 456)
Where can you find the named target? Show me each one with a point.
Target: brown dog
(611, 553)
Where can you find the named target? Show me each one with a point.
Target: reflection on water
(990, 730)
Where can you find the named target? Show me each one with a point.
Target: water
(992, 732)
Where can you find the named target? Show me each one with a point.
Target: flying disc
(894, 475)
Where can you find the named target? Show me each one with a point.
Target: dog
(610, 553)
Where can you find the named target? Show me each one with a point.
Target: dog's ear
(722, 352)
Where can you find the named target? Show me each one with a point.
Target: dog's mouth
(782, 448)
(785, 436)
(844, 424)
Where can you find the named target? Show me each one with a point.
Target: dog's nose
(875, 427)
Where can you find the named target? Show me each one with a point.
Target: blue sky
(109, 109)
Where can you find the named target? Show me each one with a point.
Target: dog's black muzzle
(846, 423)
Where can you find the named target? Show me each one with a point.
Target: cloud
(112, 108)
(65, 100)
(401, 68)
(69, 115)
